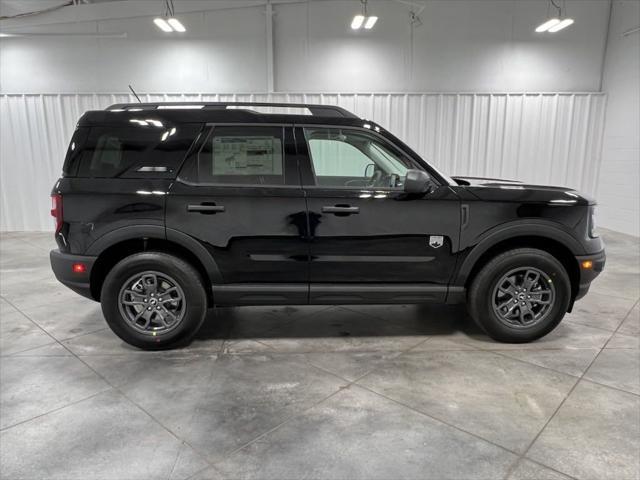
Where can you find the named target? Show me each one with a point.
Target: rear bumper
(62, 266)
(587, 275)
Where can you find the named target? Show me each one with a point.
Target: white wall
(548, 139)
(619, 183)
(462, 46)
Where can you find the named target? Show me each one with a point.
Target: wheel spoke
(150, 282)
(158, 314)
(169, 314)
(170, 290)
(530, 282)
(133, 298)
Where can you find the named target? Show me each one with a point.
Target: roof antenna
(134, 92)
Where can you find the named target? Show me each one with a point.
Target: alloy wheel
(152, 303)
(523, 297)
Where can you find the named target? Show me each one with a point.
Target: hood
(512, 190)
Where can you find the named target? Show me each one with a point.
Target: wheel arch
(121, 243)
(554, 241)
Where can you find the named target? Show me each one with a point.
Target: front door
(240, 196)
(370, 241)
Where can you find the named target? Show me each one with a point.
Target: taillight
(56, 210)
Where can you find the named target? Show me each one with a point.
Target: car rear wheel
(153, 300)
(520, 295)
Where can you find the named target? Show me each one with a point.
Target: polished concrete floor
(317, 392)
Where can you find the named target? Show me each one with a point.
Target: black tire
(483, 289)
(164, 266)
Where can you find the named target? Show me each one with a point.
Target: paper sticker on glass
(250, 155)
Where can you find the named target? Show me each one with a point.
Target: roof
(222, 112)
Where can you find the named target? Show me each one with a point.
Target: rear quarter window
(137, 151)
(74, 151)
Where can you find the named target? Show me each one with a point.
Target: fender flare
(159, 232)
(520, 228)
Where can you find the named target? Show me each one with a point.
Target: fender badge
(436, 241)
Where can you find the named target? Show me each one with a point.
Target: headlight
(593, 233)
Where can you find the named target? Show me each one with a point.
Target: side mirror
(417, 181)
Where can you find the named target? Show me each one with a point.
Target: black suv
(166, 209)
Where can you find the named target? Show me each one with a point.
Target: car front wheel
(520, 295)
(153, 300)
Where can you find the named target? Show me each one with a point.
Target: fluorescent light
(177, 26)
(155, 123)
(357, 22)
(162, 24)
(563, 24)
(371, 21)
(547, 25)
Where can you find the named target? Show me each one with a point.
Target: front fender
(538, 228)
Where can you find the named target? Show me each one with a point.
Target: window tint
(241, 155)
(74, 151)
(122, 151)
(351, 158)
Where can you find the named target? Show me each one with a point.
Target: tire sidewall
(494, 271)
(181, 272)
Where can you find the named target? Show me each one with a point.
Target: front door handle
(206, 208)
(341, 210)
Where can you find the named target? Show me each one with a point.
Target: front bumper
(588, 274)
(62, 266)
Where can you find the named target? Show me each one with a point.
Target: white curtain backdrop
(549, 138)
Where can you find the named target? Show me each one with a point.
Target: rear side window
(74, 150)
(241, 155)
(137, 151)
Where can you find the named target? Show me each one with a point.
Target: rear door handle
(206, 208)
(341, 209)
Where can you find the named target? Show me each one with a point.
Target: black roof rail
(316, 110)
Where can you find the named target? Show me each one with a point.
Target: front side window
(241, 155)
(351, 158)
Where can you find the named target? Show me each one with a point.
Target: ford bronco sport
(166, 209)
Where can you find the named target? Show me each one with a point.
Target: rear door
(370, 239)
(240, 196)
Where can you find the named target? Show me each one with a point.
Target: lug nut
(148, 308)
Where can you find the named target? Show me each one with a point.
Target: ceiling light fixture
(547, 25)
(357, 22)
(553, 25)
(371, 21)
(363, 19)
(177, 26)
(168, 23)
(163, 25)
(563, 24)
